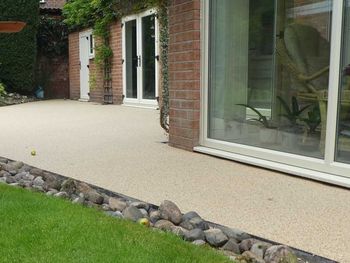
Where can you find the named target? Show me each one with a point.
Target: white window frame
(327, 169)
(140, 102)
(42, 1)
(91, 36)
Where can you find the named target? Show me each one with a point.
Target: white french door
(140, 59)
(84, 43)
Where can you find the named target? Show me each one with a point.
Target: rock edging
(237, 245)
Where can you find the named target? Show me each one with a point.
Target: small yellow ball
(144, 222)
(33, 153)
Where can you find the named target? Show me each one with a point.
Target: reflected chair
(306, 55)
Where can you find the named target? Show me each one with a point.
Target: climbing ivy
(99, 14)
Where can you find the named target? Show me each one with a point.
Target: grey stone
(247, 244)
(179, 231)
(250, 257)
(116, 204)
(280, 253)
(199, 242)
(52, 192)
(234, 233)
(187, 225)
(170, 211)
(154, 216)
(117, 214)
(38, 181)
(90, 193)
(4, 173)
(232, 245)
(12, 166)
(105, 207)
(3, 160)
(144, 212)
(105, 198)
(51, 181)
(140, 205)
(198, 222)
(68, 186)
(259, 249)
(62, 195)
(3, 180)
(194, 234)
(10, 180)
(164, 225)
(215, 237)
(25, 168)
(25, 183)
(36, 172)
(79, 200)
(189, 215)
(14, 184)
(132, 213)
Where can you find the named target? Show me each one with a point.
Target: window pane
(268, 83)
(131, 59)
(343, 136)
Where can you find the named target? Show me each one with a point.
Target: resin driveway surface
(122, 149)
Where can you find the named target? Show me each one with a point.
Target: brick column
(74, 66)
(184, 73)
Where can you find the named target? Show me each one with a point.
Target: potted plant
(289, 133)
(311, 137)
(268, 131)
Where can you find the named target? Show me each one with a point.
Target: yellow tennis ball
(33, 153)
(144, 222)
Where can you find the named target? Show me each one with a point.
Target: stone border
(237, 245)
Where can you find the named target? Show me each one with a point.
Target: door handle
(139, 61)
(88, 66)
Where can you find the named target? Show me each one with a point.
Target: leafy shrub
(2, 90)
(18, 50)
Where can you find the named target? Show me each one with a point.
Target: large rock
(259, 249)
(154, 216)
(164, 225)
(140, 205)
(189, 215)
(51, 181)
(232, 245)
(4, 173)
(90, 193)
(170, 211)
(187, 225)
(36, 172)
(198, 222)
(247, 244)
(234, 233)
(69, 186)
(215, 237)
(280, 253)
(38, 181)
(194, 234)
(116, 204)
(179, 231)
(132, 213)
(11, 167)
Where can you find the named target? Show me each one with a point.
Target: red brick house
(260, 82)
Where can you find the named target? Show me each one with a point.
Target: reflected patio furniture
(306, 55)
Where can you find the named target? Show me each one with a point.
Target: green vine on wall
(100, 14)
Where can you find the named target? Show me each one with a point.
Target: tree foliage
(18, 50)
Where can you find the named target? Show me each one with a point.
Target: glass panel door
(269, 71)
(140, 60)
(343, 128)
(148, 58)
(131, 59)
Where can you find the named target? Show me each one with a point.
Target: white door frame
(327, 169)
(139, 101)
(84, 55)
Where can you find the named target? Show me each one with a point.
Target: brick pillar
(74, 66)
(117, 67)
(184, 73)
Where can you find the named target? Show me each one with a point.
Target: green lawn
(37, 228)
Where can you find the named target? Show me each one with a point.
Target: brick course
(184, 73)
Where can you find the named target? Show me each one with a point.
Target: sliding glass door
(272, 89)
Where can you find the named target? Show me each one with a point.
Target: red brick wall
(184, 73)
(74, 67)
(96, 74)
